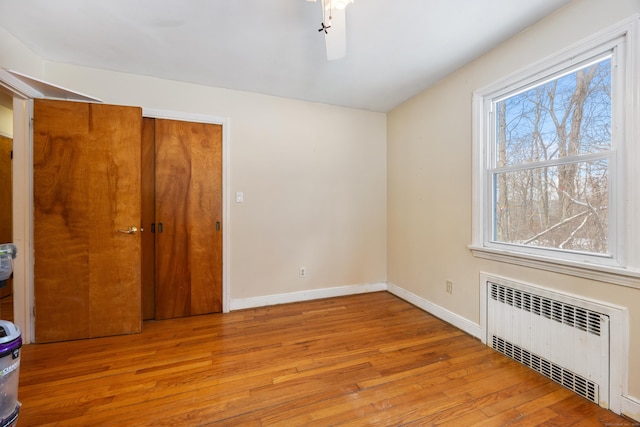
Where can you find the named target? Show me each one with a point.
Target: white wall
(313, 178)
(6, 115)
(15, 56)
(429, 178)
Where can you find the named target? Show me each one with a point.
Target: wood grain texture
(6, 211)
(6, 308)
(188, 205)
(115, 188)
(6, 201)
(360, 360)
(148, 210)
(206, 210)
(61, 221)
(86, 186)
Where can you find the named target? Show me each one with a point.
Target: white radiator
(564, 338)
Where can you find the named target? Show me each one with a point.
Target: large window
(550, 158)
(555, 145)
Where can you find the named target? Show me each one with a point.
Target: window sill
(618, 276)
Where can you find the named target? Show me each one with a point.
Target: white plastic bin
(10, 344)
(8, 252)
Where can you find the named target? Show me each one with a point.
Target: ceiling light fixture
(334, 4)
(337, 4)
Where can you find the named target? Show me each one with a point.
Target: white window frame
(622, 266)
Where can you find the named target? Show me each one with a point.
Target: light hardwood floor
(360, 360)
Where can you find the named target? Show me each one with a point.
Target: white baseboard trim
(631, 407)
(442, 313)
(239, 304)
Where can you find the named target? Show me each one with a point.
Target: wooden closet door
(148, 218)
(6, 196)
(86, 176)
(6, 210)
(188, 218)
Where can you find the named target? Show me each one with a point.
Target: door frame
(24, 89)
(23, 215)
(225, 123)
(22, 199)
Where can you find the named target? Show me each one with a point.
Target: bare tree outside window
(551, 162)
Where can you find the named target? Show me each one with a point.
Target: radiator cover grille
(559, 336)
(560, 312)
(584, 387)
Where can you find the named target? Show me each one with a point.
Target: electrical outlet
(302, 273)
(450, 286)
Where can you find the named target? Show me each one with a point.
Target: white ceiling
(395, 48)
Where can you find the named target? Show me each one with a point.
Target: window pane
(568, 116)
(561, 207)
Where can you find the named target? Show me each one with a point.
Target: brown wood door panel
(6, 201)
(115, 258)
(6, 205)
(206, 220)
(86, 186)
(148, 218)
(61, 226)
(188, 205)
(173, 171)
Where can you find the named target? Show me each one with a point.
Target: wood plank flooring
(360, 360)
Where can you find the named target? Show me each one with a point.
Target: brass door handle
(130, 230)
